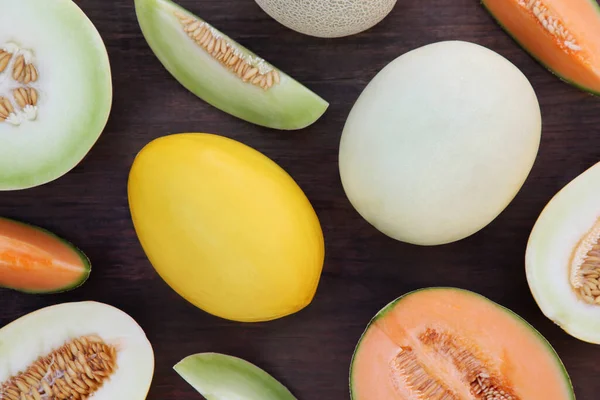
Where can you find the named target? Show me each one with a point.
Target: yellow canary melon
(226, 227)
(328, 18)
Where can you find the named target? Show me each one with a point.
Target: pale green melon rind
(85, 261)
(286, 106)
(566, 218)
(222, 377)
(38, 333)
(389, 307)
(85, 130)
(538, 59)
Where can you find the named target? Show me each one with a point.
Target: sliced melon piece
(561, 35)
(330, 19)
(75, 351)
(563, 257)
(222, 72)
(34, 260)
(450, 344)
(55, 90)
(222, 377)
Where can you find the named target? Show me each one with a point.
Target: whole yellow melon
(328, 18)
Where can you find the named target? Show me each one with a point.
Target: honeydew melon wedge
(222, 72)
(88, 347)
(222, 377)
(55, 90)
(563, 257)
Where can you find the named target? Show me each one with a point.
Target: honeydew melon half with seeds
(55, 90)
(561, 35)
(223, 377)
(83, 350)
(224, 73)
(448, 344)
(563, 257)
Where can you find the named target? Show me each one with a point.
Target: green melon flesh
(571, 218)
(74, 90)
(42, 332)
(222, 377)
(285, 106)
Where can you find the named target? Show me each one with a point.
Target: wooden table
(310, 351)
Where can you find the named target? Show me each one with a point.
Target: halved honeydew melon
(222, 72)
(75, 351)
(55, 90)
(223, 377)
(563, 257)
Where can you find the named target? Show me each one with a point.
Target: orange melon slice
(451, 344)
(562, 35)
(33, 260)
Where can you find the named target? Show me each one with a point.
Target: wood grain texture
(310, 351)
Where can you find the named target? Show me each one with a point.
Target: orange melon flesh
(566, 43)
(36, 261)
(436, 344)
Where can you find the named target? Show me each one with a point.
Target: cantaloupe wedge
(450, 344)
(34, 260)
(562, 35)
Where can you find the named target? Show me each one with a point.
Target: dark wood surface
(310, 351)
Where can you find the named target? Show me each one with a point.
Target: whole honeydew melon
(440, 142)
(328, 18)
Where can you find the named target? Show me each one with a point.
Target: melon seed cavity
(74, 371)
(249, 69)
(585, 267)
(552, 23)
(413, 372)
(18, 74)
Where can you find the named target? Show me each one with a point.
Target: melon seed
(74, 371)
(22, 71)
(552, 23)
(585, 266)
(228, 54)
(483, 383)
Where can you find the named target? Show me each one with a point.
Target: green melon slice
(55, 90)
(222, 377)
(33, 260)
(84, 350)
(222, 72)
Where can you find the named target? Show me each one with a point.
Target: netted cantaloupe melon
(328, 18)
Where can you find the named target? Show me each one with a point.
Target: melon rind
(223, 377)
(478, 297)
(285, 106)
(328, 18)
(567, 217)
(75, 91)
(39, 333)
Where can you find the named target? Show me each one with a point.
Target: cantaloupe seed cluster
(250, 69)
(17, 68)
(585, 266)
(552, 23)
(483, 384)
(74, 371)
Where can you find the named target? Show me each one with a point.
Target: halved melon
(83, 350)
(563, 257)
(224, 73)
(450, 344)
(561, 35)
(55, 90)
(34, 260)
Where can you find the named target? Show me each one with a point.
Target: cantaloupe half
(562, 35)
(450, 344)
(34, 260)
